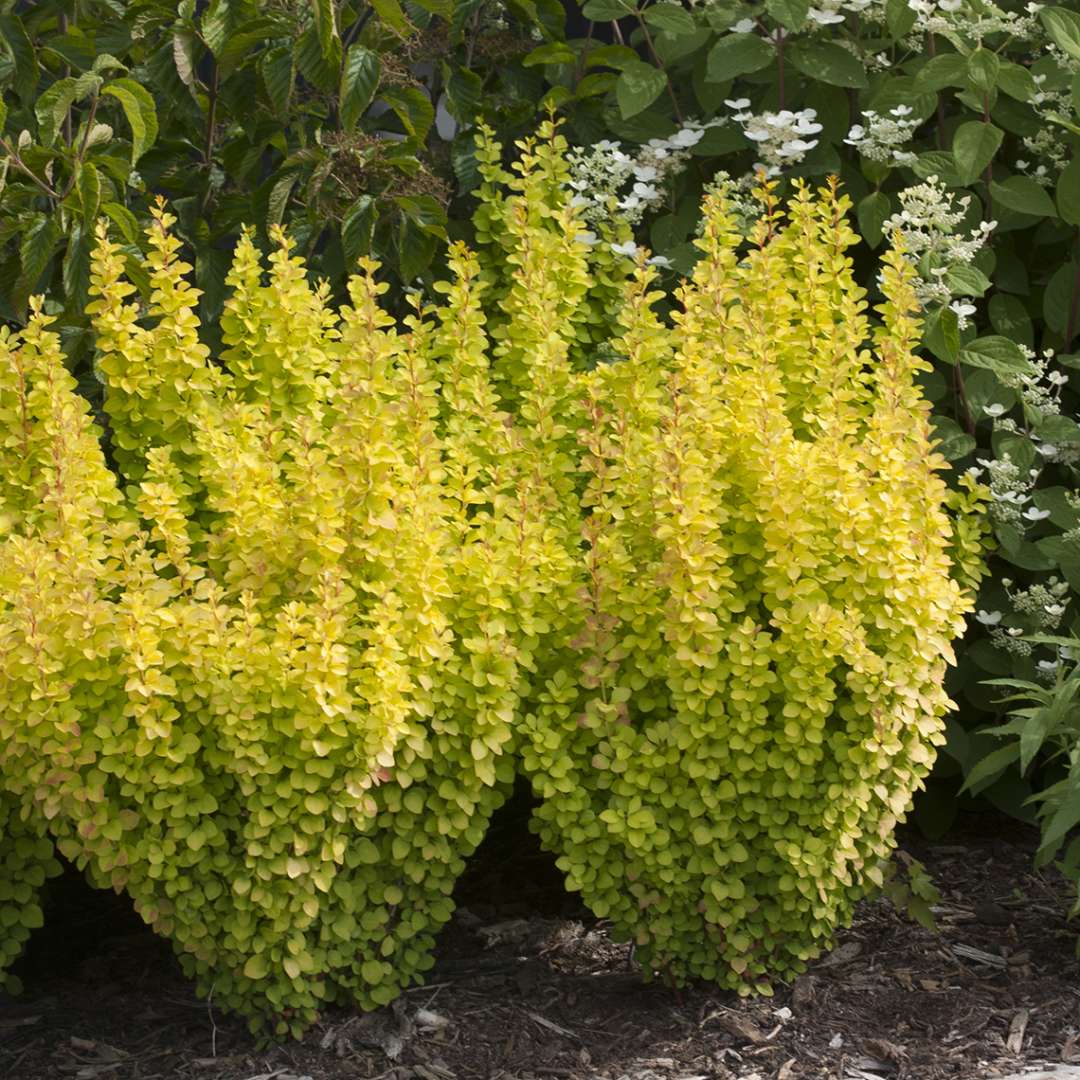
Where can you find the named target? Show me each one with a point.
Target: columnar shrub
(260, 676)
(754, 692)
(274, 648)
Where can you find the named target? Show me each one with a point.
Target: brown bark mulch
(532, 994)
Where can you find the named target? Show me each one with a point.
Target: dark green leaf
(356, 230)
(964, 279)
(603, 10)
(638, 86)
(556, 52)
(1066, 815)
(872, 212)
(830, 63)
(974, 146)
(997, 354)
(240, 44)
(320, 71)
(616, 56)
(279, 198)
(76, 269)
(415, 249)
(1009, 317)
(325, 26)
(672, 18)
(391, 16)
(37, 248)
(989, 768)
(950, 69)
(427, 213)
(1024, 195)
(359, 77)
(1063, 26)
(1058, 297)
(954, 442)
(123, 219)
(789, 13)
(982, 69)
(737, 54)
(1016, 81)
(140, 111)
(942, 335)
(1068, 193)
(22, 52)
(413, 108)
(899, 18)
(215, 25)
(277, 71)
(89, 188)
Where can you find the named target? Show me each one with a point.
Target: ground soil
(529, 987)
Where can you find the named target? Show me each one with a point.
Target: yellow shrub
(269, 666)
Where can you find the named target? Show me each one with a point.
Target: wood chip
(888, 1051)
(545, 1023)
(787, 1070)
(969, 952)
(1017, 1027)
(739, 1026)
(842, 954)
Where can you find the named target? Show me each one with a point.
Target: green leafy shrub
(26, 861)
(274, 654)
(1044, 734)
(346, 121)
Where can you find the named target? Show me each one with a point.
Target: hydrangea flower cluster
(607, 181)
(1039, 607)
(878, 138)
(977, 20)
(1010, 489)
(1039, 388)
(780, 136)
(829, 12)
(1050, 153)
(927, 223)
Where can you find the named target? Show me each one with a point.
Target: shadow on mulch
(528, 986)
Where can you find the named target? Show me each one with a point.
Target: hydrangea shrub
(277, 643)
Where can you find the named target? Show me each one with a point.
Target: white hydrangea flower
(779, 135)
(879, 138)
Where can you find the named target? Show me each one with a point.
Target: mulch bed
(531, 994)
